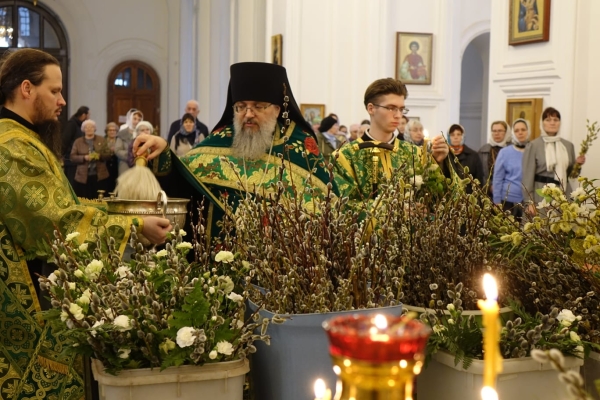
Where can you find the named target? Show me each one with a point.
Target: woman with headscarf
(142, 128)
(463, 156)
(187, 136)
(489, 152)
(548, 159)
(125, 138)
(414, 133)
(327, 137)
(508, 171)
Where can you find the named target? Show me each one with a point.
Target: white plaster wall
(562, 71)
(100, 37)
(333, 49)
(586, 82)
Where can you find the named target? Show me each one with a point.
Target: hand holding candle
(491, 339)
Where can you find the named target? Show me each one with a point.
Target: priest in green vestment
(35, 200)
(261, 140)
(361, 166)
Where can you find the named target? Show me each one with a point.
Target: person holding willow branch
(585, 146)
(548, 159)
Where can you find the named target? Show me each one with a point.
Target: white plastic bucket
(521, 379)
(218, 381)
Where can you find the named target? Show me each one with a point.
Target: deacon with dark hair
(261, 129)
(36, 199)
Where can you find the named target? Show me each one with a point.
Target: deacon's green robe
(36, 198)
(212, 169)
(361, 166)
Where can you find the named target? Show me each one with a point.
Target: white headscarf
(514, 138)
(501, 143)
(557, 157)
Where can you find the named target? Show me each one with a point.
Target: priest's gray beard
(251, 144)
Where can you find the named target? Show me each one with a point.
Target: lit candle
(487, 393)
(425, 148)
(380, 324)
(321, 391)
(491, 338)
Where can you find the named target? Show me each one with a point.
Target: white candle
(491, 351)
(321, 391)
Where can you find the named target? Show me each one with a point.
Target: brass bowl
(175, 209)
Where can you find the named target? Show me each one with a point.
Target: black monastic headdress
(256, 81)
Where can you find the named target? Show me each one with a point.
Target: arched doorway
(133, 84)
(474, 91)
(23, 25)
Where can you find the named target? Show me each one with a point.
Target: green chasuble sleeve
(360, 167)
(36, 199)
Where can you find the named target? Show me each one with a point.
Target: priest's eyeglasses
(393, 110)
(243, 109)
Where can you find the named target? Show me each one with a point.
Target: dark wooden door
(133, 84)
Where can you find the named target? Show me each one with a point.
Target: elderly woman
(414, 133)
(548, 159)
(187, 136)
(89, 154)
(125, 138)
(142, 128)
(463, 156)
(508, 170)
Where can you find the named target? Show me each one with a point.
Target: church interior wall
(332, 49)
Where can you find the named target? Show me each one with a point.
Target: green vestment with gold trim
(361, 166)
(35, 199)
(212, 169)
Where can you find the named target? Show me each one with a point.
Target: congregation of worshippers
(509, 166)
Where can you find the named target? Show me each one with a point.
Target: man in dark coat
(191, 107)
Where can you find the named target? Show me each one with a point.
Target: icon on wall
(277, 49)
(413, 58)
(529, 21)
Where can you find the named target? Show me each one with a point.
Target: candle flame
(320, 388)
(490, 287)
(488, 393)
(425, 134)
(380, 321)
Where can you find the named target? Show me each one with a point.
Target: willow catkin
(137, 183)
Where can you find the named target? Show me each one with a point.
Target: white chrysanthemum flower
(226, 283)
(450, 321)
(450, 307)
(109, 313)
(96, 325)
(235, 297)
(72, 285)
(224, 347)
(212, 355)
(78, 273)
(63, 257)
(184, 245)
(574, 336)
(439, 329)
(124, 353)
(418, 181)
(93, 269)
(543, 204)
(71, 236)
(84, 298)
(577, 192)
(162, 253)
(122, 322)
(76, 311)
(211, 290)
(123, 270)
(566, 317)
(185, 336)
(224, 257)
(52, 278)
(83, 247)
